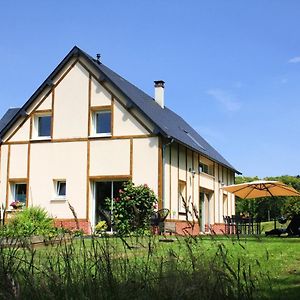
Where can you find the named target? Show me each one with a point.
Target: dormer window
(102, 123)
(42, 126)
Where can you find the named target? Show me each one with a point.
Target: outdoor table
(250, 225)
(241, 225)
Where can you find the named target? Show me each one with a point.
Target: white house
(86, 130)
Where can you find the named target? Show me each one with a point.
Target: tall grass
(125, 268)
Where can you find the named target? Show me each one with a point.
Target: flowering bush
(133, 208)
(17, 204)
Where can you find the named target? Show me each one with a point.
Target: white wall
(182, 163)
(46, 104)
(18, 161)
(125, 123)
(23, 134)
(99, 95)
(71, 105)
(196, 182)
(174, 181)
(207, 181)
(190, 181)
(50, 161)
(110, 157)
(3, 172)
(167, 178)
(145, 162)
(210, 183)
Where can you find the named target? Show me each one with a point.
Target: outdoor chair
(158, 218)
(234, 224)
(227, 221)
(282, 220)
(293, 228)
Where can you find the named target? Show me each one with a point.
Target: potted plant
(17, 204)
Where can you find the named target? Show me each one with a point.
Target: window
(207, 169)
(203, 168)
(182, 201)
(19, 192)
(104, 190)
(42, 126)
(60, 189)
(102, 122)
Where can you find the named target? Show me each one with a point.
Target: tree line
(268, 208)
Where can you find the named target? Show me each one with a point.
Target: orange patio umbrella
(261, 188)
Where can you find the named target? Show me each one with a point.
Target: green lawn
(208, 267)
(266, 226)
(277, 259)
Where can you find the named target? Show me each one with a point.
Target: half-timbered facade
(86, 130)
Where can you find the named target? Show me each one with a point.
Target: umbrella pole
(268, 190)
(270, 209)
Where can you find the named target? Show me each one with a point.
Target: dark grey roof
(8, 117)
(168, 123)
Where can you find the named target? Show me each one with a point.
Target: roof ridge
(164, 119)
(128, 82)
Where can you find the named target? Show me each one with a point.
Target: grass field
(278, 258)
(267, 226)
(206, 267)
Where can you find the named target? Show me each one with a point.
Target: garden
(135, 264)
(143, 267)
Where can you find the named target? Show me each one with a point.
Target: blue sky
(232, 68)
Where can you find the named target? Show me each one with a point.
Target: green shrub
(133, 208)
(30, 221)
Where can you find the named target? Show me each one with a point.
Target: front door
(105, 193)
(204, 212)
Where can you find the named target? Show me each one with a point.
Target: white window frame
(13, 191)
(56, 185)
(182, 194)
(36, 126)
(94, 123)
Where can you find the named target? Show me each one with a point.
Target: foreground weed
(126, 268)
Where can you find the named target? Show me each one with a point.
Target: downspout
(163, 169)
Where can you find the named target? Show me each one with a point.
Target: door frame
(205, 207)
(93, 182)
